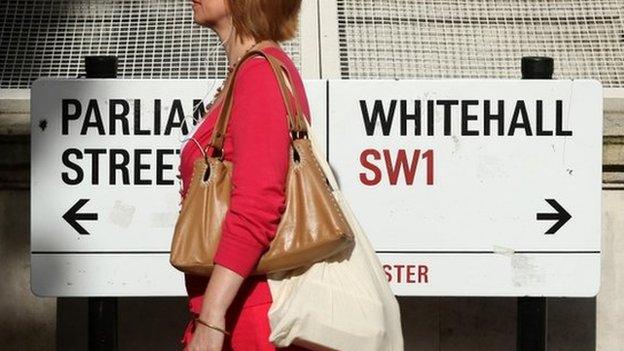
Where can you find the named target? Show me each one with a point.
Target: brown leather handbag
(312, 227)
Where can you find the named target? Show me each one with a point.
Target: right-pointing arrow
(562, 216)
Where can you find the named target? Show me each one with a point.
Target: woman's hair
(275, 20)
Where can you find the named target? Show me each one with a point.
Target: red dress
(257, 142)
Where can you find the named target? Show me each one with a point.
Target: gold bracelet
(211, 326)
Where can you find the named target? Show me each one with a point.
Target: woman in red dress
(257, 142)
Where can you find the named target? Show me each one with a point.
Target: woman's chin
(201, 20)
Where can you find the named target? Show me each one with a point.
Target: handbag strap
(299, 109)
(295, 124)
(222, 122)
(292, 91)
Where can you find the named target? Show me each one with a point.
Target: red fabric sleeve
(258, 129)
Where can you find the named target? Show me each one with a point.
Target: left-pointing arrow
(72, 216)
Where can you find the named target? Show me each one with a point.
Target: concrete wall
(610, 299)
(446, 323)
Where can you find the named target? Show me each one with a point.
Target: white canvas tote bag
(344, 303)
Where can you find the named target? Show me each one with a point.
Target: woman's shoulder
(256, 75)
(256, 65)
(260, 65)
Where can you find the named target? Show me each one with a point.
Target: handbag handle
(294, 121)
(293, 92)
(299, 109)
(222, 122)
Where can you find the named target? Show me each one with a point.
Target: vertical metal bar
(102, 310)
(532, 312)
(309, 40)
(103, 324)
(329, 41)
(532, 326)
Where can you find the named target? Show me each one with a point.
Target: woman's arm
(220, 291)
(258, 129)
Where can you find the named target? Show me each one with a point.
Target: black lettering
(200, 111)
(370, 121)
(114, 166)
(95, 162)
(430, 117)
(488, 117)
(559, 119)
(415, 117)
(465, 117)
(539, 119)
(520, 111)
(161, 166)
(157, 104)
(447, 113)
(122, 116)
(138, 166)
(69, 164)
(176, 111)
(137, 119)
(93, 111)
(66, 116)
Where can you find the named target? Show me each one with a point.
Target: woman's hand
(205, 338)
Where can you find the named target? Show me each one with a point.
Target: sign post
(532, 312)
(102, 309)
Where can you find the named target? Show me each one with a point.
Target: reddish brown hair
(275, 20)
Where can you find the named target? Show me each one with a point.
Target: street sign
(474, 187)
(104, 196)
(464, 202)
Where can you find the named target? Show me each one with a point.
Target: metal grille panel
(480, 38)
(152, 39)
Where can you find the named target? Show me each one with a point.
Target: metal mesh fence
(480, 38)
(152, 39)
(377, 39)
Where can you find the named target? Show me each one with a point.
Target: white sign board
(461, 221)
(105, 154)
(474, 187)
